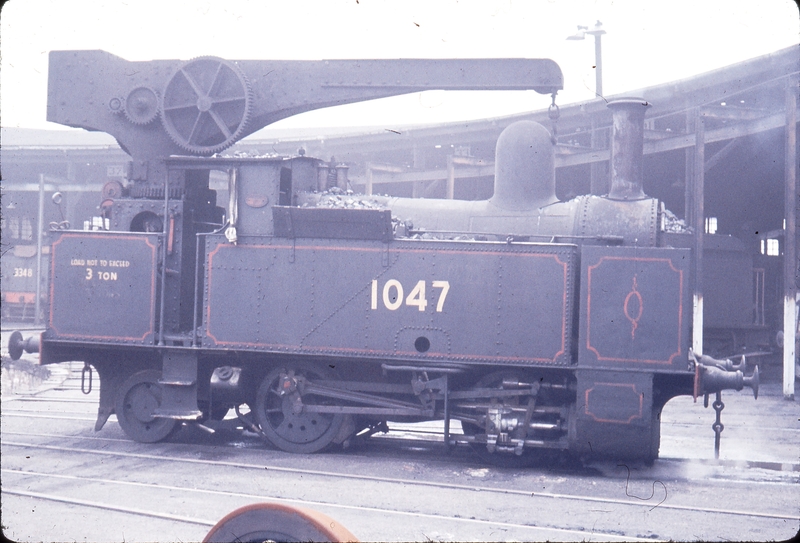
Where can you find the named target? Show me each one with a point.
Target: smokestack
(627, 148)
(524, 176)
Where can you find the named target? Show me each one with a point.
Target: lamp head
(580, 34)
(597, 29)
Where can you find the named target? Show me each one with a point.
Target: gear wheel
(206, 105)
(141, 106)
(112, 190)
(155, 193)
(115, 105)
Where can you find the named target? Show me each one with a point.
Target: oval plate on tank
(256, 201)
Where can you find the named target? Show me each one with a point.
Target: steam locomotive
(539, 325)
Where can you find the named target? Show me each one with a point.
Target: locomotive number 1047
(393, 295)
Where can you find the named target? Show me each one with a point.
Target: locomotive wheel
(273, 522)
(286, 429)
(137, 399)
(500, 459)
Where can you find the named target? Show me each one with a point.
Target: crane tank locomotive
(537, 324)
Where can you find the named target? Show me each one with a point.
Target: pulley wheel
(206, 105)
(137, 399)
(274, 522)
(284, 427)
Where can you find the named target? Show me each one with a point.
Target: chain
(717, 426)
(86, 368)
(554, 113)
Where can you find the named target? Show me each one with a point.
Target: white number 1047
(393, 295)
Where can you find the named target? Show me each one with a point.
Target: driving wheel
(137, 399)
(283, 417)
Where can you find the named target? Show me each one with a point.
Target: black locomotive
(537, 324)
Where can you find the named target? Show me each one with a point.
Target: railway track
(407, 436)
(12, 486)
(181, 491)
(156, 492)
(255, 497)
(382, 479)
(394, 488)
(432, 444)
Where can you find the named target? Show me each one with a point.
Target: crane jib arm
(202, 106)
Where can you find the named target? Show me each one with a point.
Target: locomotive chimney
(524, 168)
(627, 148)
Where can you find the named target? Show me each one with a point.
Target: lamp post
(599, 180)
(596, 31)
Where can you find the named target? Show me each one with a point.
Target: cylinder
(524, 167)
(627, 148)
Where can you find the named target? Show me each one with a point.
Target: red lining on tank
(371, 352)
(589, 310)
(152, 286)
(632, 386)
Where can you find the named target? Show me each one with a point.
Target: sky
(648, 42)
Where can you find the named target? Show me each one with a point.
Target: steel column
(698, 223)
(689, 173)
(451, 178)
(417, 187)
(598, 61)
(790, 243)
(164, 234)
(37, 305)
(368, 186)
